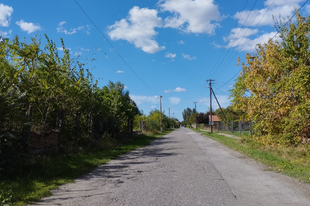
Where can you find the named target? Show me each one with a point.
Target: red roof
(215, 118)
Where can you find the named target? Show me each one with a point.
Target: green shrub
(152, 125)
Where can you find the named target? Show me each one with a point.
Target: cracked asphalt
(182, 168)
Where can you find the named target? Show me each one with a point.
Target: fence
(67, 129)
(240, 127)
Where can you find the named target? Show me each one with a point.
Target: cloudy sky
(165, 48)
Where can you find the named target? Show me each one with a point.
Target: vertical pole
(161, 127)
(173, 121)
(250, 128)
(195, 106)
(227, 128)
(232, 126)
(211, 106)
(169, 119)
(131, 127)
(240, 128)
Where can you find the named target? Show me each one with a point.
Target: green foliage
(48, 82)
(152, 125)
(202, 118)
(273, 89)
(187, 113)
(231, 114)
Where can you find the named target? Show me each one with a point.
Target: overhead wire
(120, 56)
(203, 88)
(231, 45)
(235, 50)
(271, 38)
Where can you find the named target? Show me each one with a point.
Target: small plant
(6, 197)
(201, 126)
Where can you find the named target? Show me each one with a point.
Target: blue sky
(165, 48)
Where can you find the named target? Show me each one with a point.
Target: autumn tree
(274, 86)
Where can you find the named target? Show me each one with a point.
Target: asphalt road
(182, 168)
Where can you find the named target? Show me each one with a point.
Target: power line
(235, 50)
(113, 47)
(214, 72)
(202, 89)
(271, 38)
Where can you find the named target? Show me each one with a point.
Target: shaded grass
(44, 173)
(291, 161)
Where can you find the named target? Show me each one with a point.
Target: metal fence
(240, 127)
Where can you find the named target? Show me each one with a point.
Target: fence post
(251, 127)
(131, 127)
(77, 126)
(232, 126)
(227, 128)
(100, 126)
(60, 124)
(90, 125)
(27, 128)
(240, 127)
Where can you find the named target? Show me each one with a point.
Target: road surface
(182, 168)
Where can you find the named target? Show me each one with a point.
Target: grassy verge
(292, 161)
(44, 173)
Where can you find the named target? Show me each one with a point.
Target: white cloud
(216, 45)
(181, 42)
(191, 16)
(144, 99)
(248, 45)
(28, 27)
(179, 89)
(188, 57)
(62, 29)
(153, 107)
(62, 23)
(138, 29)
(167, 91)
(260, 17)
(5, 34)
(223, 100)
(61, 48)
(307, 8)
(174, 100)
(77, 54)
(5, 13)
(119, 72)
(241, 32)
(170, 55)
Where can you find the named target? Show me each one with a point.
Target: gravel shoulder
(182, 168)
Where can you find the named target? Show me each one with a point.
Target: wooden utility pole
(210, 87)
(161, 126)
(195, 106)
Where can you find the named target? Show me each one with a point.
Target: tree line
(45, 82)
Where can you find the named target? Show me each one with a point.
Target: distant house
(216, 119)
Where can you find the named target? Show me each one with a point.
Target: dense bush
(47, 82)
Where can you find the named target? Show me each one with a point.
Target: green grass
(291, 161)
(44, 173)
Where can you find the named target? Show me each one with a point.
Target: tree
(187, 113)
(274, 86)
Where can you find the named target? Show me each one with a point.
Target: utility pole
(169, 119)
(161, 126)
(210, 87)
(195, 106)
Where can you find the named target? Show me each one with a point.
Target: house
(216, 119)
